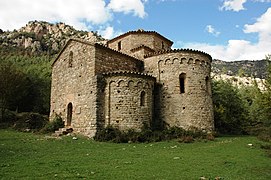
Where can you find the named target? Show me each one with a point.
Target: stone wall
(94, 86)
(108, 60)
(184, 89)
(128, 100)
(74, 83)
(135, 39)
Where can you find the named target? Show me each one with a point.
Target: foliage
(243, 110)
(244, 68)
(8, 119)
(30, 122)
(259, 107)
(229, 109)
(54, 125)
(30, 156)
(25, 83)
(14, 88)
(266, 97)
(147, 135)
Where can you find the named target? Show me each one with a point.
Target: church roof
(128, 73)
(177, 51)
(91, 44)
(140, 31)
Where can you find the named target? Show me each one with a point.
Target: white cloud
(210, 29)
(108, 32)
(128, 6)
(79, 13)
(242, 49)
(16, 13)
(262, 0)
(262, 26)
(234, 5)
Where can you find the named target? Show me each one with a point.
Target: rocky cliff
(42, 37)
(245, 68)
(241, 73)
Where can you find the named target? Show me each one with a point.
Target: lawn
(30, 156)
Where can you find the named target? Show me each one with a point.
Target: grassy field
(29, 156)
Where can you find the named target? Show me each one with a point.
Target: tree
(13, 87)
(266, 96)
(252, 98)
(229, 108)
(241, 72)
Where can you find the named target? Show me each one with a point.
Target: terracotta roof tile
(176, 51)
(139, 31)
(127, 73)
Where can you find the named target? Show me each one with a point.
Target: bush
(267, 148)
(7, 116)
(147, 135)
(173, 133)
(186, 139)
(54, 125)
(265, 134)
(110, 134)
(30, 122)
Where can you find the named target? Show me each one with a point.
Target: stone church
(135, 79)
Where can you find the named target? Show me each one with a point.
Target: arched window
(70, 58)
(182, 82)
(69, 114)
(142, 98)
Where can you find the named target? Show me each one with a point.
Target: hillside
(42, 38)
(38, 37)
(243, 68)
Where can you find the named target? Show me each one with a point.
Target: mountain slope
(38, 37)
(43, 38)
(257, 69)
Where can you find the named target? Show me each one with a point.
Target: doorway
(69, 115)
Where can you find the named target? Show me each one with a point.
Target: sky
(226, 29)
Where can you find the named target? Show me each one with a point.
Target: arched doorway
(69, 115)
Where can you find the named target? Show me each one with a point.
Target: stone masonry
(134, 80)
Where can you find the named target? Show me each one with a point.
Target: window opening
(69, 114)
(182, 83)
(119, 45)
(70, 58)
(142, 98)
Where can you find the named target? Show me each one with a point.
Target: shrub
(147, 135)
(30, 122)
(210, 137)
(110, 134)
(196, 133)
(7, 116)
(186, 139)
(265, 134)
(54, 125)
(173, 132)
(267, 148)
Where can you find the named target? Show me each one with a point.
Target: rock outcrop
(43, 37)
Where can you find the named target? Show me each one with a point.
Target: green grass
(30, 156)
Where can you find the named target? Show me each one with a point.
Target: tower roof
(140, 31)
